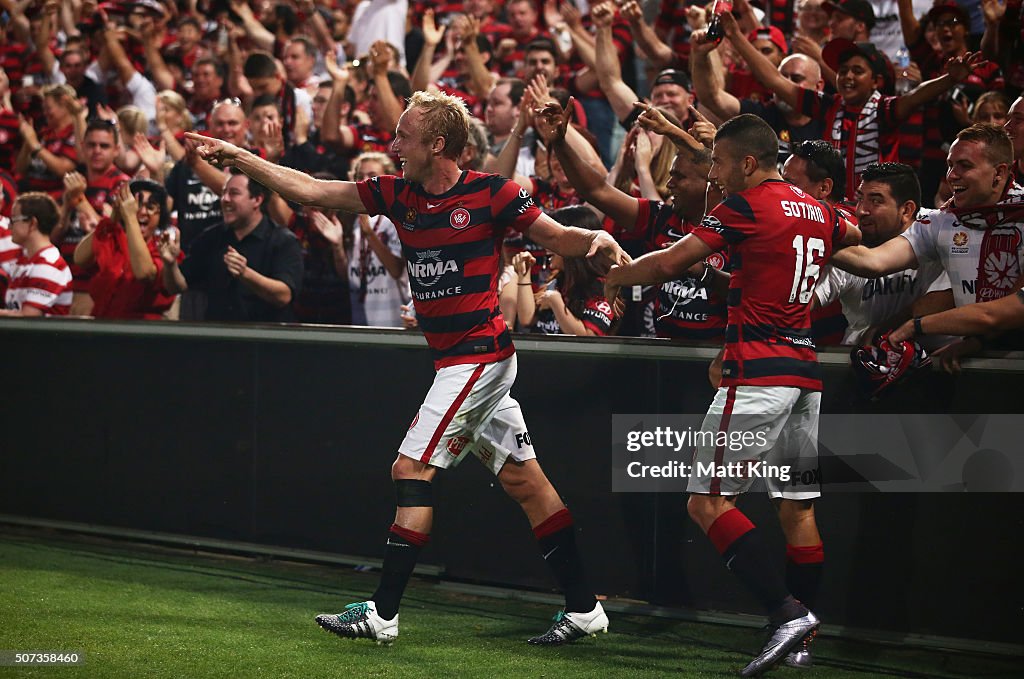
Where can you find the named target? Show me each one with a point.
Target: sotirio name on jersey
(804, 210)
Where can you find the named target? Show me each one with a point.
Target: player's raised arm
(293, 185)
(572, 241)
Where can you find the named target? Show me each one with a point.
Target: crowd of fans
(108, 211)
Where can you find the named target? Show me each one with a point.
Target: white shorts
(760, 431)
(469, 410)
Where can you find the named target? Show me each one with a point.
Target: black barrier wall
(284, 436)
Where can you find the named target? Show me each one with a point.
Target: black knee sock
(556, 536)
(399, 559)
(803, 572)
(740, 544)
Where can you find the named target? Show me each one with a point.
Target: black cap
(671, 76)
(858, 9)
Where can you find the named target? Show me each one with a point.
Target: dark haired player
(779, 238)
(452, 223)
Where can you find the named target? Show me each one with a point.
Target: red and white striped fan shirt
(41, 281)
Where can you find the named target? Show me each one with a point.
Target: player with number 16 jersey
(779, 239)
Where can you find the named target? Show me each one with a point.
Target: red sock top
(554, 523)
(809, 554)
(728, 528)
(410, 536)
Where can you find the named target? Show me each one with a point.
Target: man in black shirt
(249, 267)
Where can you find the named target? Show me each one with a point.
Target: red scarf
(1002, 222)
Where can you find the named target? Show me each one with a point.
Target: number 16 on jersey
(806, 271)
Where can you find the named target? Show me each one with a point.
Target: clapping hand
(235, 262)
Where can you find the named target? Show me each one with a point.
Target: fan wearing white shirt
(888, 201)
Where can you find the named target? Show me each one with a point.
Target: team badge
(411, 215)
(459, 218)
(456, 444)
(716, 260)
(959, 247)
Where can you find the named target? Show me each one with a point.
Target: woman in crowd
(46, 157)
(124, 249)
(573, 302)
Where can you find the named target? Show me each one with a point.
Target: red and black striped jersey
(780, 239)
(452, 243)
(38, 176)
(370, 138)
(683, 308)
(549, 197)
(13, 58)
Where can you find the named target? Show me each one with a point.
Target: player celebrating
(452, 224)
(779, 238)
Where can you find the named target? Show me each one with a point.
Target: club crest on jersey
(428, 267)
(409, 223)
(959, 246)
(715, 260)
(456, 444)
(459, 218)
(796, 190)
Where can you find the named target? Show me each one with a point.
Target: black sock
(740, 544)
(803, 572)
(399, 559)
(556, 537)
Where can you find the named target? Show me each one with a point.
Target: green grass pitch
(143, 612)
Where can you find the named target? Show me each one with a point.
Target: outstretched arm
(1005, 313)
(912, 31)
(609, 70)
(293, 185)
(551, 123)
(658, 266)
(765, 72)
(709, 78)
(658, 53)
(572, 241)
(260, 36)
(959, 69)
(891, 256)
